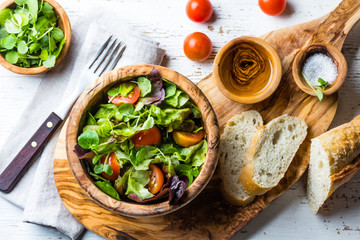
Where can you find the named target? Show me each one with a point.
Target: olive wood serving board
(209, 216)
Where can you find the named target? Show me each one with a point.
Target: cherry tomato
(156, 179)
(199, 10)
(150, 136)
(185, 139)
(197, 46)
(114, 164)
(131, 98)
(272, 7)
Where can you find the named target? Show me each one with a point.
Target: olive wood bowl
(328, 50)
(94, 94)
(222, 68)
(64, 24)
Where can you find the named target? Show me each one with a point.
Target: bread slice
(331, 161)
(271, 152)
(234, 144)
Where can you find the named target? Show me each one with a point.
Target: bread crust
(345, 175)
(249, 185)
(342, 144)
(235, 201)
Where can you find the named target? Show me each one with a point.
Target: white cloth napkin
(36, 192)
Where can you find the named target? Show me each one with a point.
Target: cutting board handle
(338, 24)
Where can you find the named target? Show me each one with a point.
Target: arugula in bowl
(30, 35)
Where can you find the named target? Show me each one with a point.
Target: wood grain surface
(209, 216)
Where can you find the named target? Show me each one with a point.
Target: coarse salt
(320, 66)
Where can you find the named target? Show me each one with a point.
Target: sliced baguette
(234, 144)
(271, 152)
(331, 161)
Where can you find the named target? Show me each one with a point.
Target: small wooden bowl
(64, 24)
(94, 95)
(330, 51)
(253, 92)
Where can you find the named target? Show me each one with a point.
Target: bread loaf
(271, 152)
(234, 144)
(331, 161)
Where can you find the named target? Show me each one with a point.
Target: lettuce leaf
(169, 116)
(136, 184)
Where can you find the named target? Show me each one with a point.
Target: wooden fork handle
(23, 160)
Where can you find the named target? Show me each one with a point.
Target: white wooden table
(289, 217)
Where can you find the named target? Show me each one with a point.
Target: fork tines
(111, 56)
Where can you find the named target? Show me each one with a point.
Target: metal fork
(106, 58)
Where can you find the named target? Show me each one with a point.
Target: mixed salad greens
(145, 143)
(30, 35)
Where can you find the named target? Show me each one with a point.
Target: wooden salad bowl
(64, 25)
(94, 94)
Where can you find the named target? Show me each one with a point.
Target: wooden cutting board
(209, 216)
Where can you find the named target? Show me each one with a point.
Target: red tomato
(156, 179)
(114, 164)
(272, 7)
(150, 136)
(185, 139)
(199, 10)
(197, 46)
(131, 98)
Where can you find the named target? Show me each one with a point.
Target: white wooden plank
(288, 217)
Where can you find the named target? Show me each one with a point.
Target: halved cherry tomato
(156, 179)
(114, 164)
(150, 136)
(272, 7)
(197, 46)
(131, 98)
(199, 10)
(185, 139)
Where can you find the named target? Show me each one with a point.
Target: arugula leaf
(11, 27)
(9, 42)
(323, 83)
(5, 13)
(50, 61)
(145, 86)
(12, 57)
(48, 10)
(88, 139)
(57, 34)
(34, 47)
(318, 92)
(44, 55)
(22, 47)
(33, 8)
(108, 189)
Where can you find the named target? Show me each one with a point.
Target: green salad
(30, 35)
(145, 142)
